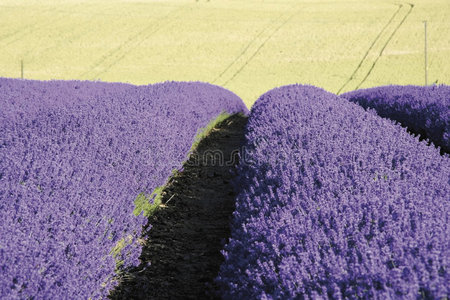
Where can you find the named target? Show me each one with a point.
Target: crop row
(74, 156)
(335, 202)
(423, 110)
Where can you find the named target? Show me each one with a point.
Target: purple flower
(73, 158)
(424, 110)
(335, 202)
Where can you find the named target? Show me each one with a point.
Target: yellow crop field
(247, 46)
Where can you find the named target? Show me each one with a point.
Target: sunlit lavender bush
(73, 158)
(335, 202)
(424, 110)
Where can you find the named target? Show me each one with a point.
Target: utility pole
(21, 68)
(426, 62)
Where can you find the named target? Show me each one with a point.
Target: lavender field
(333, 197)
(423, 110)
(336, 202)
(74, 156)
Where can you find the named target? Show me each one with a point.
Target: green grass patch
(203, 132)
(142, 203)
(117, 250)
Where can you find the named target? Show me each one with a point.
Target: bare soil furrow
(189, 230)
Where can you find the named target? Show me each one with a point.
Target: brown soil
(188, 232)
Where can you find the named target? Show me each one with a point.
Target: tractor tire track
(73, 36)
(245, 50)
(384, 47)
(411, 6)
(30, 29)
(370, 48)
(117, 54)
(25, 27)
(373, 48)
(250, 58)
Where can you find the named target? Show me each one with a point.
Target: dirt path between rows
(188, 233)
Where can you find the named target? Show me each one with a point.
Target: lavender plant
(74, 156)
(424, 110)
(335, 202)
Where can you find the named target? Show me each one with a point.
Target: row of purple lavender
(73, 158)
(336, 202)
(423, 110)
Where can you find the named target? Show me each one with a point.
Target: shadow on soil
(189, 230)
